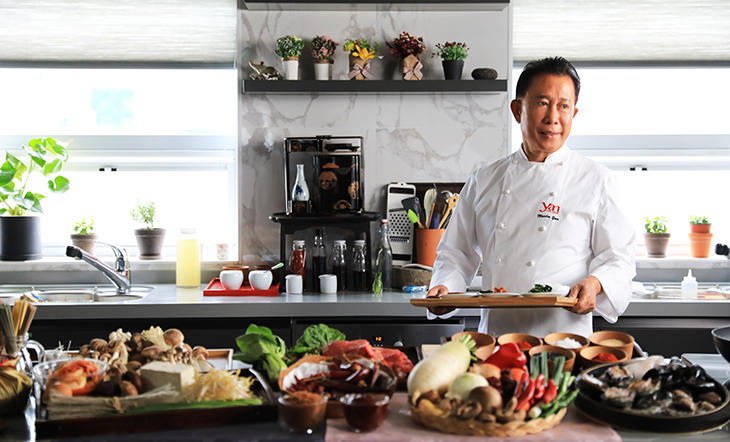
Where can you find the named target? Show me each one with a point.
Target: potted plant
(452, 58)
(409, 49)
(20, 234)
(289, 48)
(84, 237)
(149, 239)
(656, 237)
(699, 237)
(322, 50)
(361, 52)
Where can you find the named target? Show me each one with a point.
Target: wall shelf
(373, 86)
(374, 5)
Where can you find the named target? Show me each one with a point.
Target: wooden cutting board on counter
(484, 302)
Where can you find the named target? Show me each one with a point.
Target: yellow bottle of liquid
(187, 273)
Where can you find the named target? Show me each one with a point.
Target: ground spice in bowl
(304, 397)
(605, 357)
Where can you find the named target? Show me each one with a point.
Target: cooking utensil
(429, 203)
(414, 204)
(401, 229)
(414, 218)
(450, 204)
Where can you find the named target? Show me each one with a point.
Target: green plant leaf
(59, 185)
(7, 173)
(52, 167)
(29, 202)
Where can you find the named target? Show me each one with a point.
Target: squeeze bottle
(187, 270)
(689, 286)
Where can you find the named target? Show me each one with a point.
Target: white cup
(294, 284)
(328, 283)
(231, 279)
(260, 279)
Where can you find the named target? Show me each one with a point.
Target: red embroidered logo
(550, 208)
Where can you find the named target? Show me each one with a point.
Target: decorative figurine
(262, 72)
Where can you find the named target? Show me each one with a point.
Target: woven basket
(463, 427)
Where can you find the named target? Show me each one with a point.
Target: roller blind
(622, 30)
(134, 31)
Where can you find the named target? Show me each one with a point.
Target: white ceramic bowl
(260, 279)
(231, 279)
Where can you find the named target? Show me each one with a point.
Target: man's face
(545, 114)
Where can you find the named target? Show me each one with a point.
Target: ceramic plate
(543, 295)
(498, 295)
(459, 295)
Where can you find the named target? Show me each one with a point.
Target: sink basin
(72, 293)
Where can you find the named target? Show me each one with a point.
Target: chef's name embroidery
(550, 211)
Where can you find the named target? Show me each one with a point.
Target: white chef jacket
(539, 223)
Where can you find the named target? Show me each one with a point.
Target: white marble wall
(413, 138)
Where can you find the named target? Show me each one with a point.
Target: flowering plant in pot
(452, 58)
(361, 52)
(19, 233)
(289, 48)
(656, 237)
(323, 48)
(84, 235)
(700, 237)
(149, 239)
(409, 49)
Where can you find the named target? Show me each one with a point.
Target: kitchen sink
(72, 293)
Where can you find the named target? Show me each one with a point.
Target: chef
(542, 215)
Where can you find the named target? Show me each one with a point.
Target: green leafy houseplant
(46, 156)
(451, 51)
(84, 227)
(145, 214)
(289, 46)
(699, 220)
(657, 225)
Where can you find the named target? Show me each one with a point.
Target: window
(669, 126)
(162, 135)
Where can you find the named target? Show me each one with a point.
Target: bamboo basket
(463, 427)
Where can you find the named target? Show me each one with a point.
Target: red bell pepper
(508, 356)
(550, 392)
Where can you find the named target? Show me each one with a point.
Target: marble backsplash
(407, 137)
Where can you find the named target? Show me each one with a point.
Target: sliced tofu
(157, 374)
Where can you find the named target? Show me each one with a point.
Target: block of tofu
(156, 374)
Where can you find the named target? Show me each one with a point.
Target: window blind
(622, 30)
(130, 31)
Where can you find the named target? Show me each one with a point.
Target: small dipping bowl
(516, 338)
(600, 339)
(365, 412)
(586, 355)
(569, 356)
(484, 343)
(552, 338)
(302, 416)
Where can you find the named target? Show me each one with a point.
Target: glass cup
(19, 347)
(365, 412)
(302, 417)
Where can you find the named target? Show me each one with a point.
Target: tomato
(517, 373)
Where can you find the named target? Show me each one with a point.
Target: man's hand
(586, 292)
(436, 292)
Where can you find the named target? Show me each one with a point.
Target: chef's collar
(558, 155)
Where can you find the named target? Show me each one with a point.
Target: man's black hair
(550, 65)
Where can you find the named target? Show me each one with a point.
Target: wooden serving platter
(484, 302)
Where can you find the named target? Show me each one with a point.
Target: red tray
(215, 288)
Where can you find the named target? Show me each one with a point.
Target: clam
(618, 397)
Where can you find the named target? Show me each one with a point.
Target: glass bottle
(298, 263)
(319, 258)
(359, 268)
(338, 263)
(384, 256)
(187, 267)
(300, 192)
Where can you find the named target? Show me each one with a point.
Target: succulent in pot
(84, 236)
(699, 224)
(20, 233)
(656, 237)
(289, 48)
(452, 55)
(149, 239)
(700, 238)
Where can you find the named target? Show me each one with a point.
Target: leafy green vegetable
(539, 288)
(195, 405)
(314, 337)
(262, 349)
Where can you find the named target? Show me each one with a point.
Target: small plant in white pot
(84, 236)
(150, 238)
(656, 237)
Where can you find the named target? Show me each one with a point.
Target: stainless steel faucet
(120, 275)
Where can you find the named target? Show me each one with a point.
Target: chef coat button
(507, 192)
(560, 163)
(514, 161)
(541, 228)
(499, 260)
(552, 193)
(530, 263)
(501, 225)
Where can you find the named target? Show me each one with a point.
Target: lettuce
(262, 349)
(314, 338)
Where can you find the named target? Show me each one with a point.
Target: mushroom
(134, 365)
(98, 344)
(186, 348)
(469, 410)
(85, 351)
(128, 389)
(173, 337)
(200, 353)
(134, 379)
(151, 352)
(489, 398)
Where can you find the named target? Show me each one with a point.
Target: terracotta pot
(656, 244)
(84, 242)
(699, 228)
(150, 242)
(699, 244)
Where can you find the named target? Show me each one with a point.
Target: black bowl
(721, 338)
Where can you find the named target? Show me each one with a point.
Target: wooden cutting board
(482, 302)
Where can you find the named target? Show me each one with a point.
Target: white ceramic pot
(322, 71)
(328, 283)
(291, 69)
(260, 279)
(294, 284)
(231, 279)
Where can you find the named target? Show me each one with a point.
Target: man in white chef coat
(542, 215)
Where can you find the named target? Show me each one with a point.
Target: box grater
(401, 227)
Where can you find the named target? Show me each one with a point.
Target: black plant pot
(20, 238)
(150, 242)
(453, 69)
